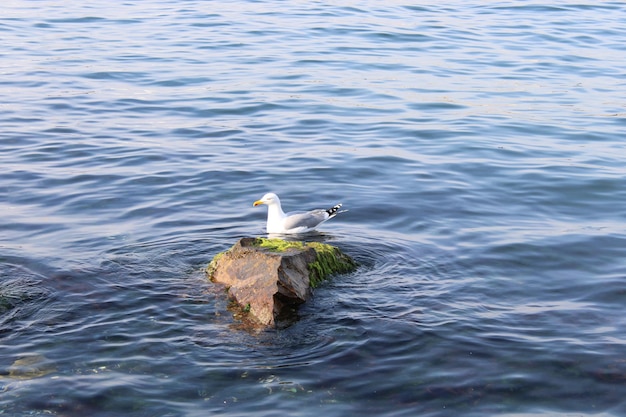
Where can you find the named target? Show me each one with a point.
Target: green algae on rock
(329, 259)
(271, 277)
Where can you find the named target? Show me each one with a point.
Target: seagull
(295, 222)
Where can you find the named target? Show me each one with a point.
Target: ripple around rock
(269, 278)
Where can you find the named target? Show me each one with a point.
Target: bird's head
(267, 199)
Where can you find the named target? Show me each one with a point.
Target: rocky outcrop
(269, 278)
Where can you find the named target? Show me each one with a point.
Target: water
(478, 146)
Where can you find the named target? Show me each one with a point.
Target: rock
(18, 290)
(30, 367)
(269, 278)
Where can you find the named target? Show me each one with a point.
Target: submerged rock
(269, 278)
(30, 367)
(18, 290)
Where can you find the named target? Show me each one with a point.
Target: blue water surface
(479, 147)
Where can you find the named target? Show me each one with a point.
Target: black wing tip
(333, 211)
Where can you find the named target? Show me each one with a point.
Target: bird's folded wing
(309, 219)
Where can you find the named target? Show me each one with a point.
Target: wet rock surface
(270, 278)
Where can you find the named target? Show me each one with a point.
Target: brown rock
(269, 278)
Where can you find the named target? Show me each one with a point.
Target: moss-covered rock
(269, 278)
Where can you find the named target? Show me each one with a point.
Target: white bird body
(280, 222)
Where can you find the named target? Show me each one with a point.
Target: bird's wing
(310, 219)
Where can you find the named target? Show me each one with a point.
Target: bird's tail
(333, 211)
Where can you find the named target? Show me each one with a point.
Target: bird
(279, 222)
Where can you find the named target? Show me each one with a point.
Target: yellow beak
(256, 203)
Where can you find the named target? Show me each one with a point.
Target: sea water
(478, 146)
